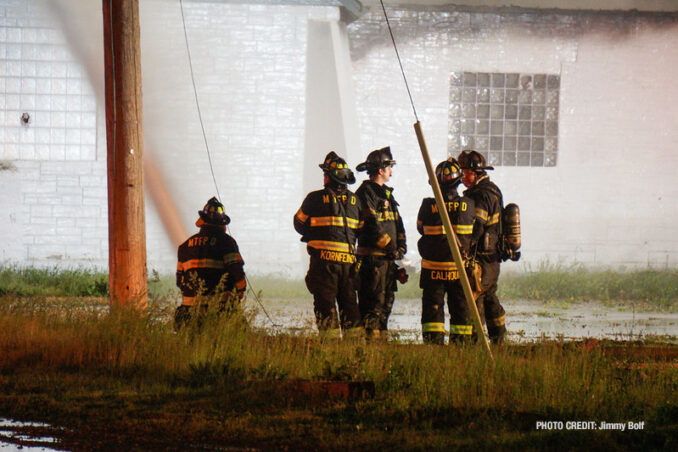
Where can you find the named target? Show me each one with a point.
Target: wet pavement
(527, 321)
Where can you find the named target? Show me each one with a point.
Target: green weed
(213, 382)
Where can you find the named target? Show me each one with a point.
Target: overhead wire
(402, 71)
(197, 103)
(209, 157)
(436, 189)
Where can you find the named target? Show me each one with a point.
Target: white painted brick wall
(609, 201)
(611, 198)
(249, 63)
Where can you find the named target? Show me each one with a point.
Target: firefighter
(380, 243)
(328, 221)
(486, 238)
(210, 266)
(439, 273)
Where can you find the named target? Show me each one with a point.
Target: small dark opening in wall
(25, 119)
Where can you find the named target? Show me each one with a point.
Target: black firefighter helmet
(448, 172)
(214, 213)
(337, 169)
(376, 160)
(473, 160)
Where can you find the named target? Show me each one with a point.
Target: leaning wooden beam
(451, 237)
(126, 220)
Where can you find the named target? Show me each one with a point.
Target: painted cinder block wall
(52, 170)
(610, 200)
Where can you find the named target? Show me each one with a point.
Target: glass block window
(512, 119)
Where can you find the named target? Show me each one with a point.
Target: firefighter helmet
(448, 172)
(337, 169)
(213, 213)
(376, 160)
(473, 160)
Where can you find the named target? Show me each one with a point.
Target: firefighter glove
(397, 254)
(402, 276)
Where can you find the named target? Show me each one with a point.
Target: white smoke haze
(279, 85)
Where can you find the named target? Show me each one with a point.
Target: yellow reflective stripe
(499, 321)
(232, 258)
(433, 265)
(327, 221)
(433, 327)
(200, 263)
(433, 230)
(332, 246)
(383, 241)
(482, 214)
(334, 221)
(361, 224)
(461, 329)
(493, 220)
(463, 229)
(188, 301)
(355, 224)
(301, 216)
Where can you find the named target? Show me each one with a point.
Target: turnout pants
(333, 284)
(488, 304)
(376, 293)
(228, 304)
(433, 310)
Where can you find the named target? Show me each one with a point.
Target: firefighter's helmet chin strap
(336, 186)
(200, 223)
(450, 190)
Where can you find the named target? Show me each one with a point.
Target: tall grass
(546, 282)
(555, 380)
(75, 282)
(555, 282)
(71, 366)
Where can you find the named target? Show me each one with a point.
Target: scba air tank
(511, 231)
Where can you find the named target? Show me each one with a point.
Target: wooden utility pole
(126, 223)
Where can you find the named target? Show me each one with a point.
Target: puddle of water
(15, 436)
(526, 321)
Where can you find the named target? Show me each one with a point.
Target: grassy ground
(650, 290)
(125, 380)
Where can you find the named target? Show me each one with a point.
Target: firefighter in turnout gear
(380, 243)
(209, 265)
(486, 238)
(328, 221)
(439, 273)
